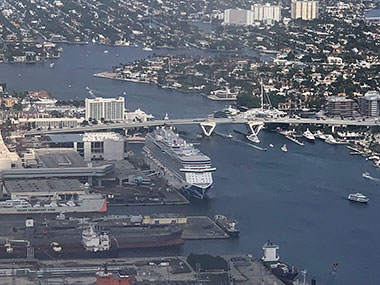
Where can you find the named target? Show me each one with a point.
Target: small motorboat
(229, 136)
(105, 51)
(147, 49)
(366, 175)
(253, 138)
(271, 145)
(284, 148)
(358, 197)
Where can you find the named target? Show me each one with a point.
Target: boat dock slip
(150, 270)
(202, 227)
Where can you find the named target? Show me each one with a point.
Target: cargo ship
(84, 240)
(231, 227)
(87, 203)
(181, 160)
(271, 260)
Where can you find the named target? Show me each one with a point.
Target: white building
(305, 10)
(370, 104)
(50, 123)
(265, 13)
(236, 17)
(259, 13)
(109, 109)
(104, 146)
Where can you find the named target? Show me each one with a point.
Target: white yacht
(358, 197)
(320, 135)
(284, 148)
(309, 135)
(331, 140)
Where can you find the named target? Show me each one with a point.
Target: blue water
(297, 199)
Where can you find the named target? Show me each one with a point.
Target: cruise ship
(181, 160)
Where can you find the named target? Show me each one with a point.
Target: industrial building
(305, 10)
(104, 146)
(108, 109)
(43, 189)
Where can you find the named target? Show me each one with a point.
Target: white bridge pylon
(255, 127)
(208, 128)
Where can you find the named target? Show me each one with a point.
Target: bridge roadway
(194, 121)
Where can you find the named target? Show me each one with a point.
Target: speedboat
(358, 197)
(284, 148)
(253, 138)
(309, 135)
(366, 175)
(147, 49)
(331, 140)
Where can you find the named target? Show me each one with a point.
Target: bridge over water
(208, 124)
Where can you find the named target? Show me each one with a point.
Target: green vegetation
(248, 100)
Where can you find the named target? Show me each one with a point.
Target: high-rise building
(236, 17)
(109, 109)
(265, 13)
(305, 10)
(369, 104)
(259, 13)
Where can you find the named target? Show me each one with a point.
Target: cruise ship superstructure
(182, 160)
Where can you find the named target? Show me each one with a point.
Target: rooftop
(372, 95)
(339, 99)
(43, 185)
(59, 158)
(101, 136)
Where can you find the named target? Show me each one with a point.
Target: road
(193, 121)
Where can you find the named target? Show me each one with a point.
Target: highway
(193, 121)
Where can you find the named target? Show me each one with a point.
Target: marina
(338, 175)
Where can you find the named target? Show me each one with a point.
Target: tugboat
(229, 226)
(358, 197)
(271, 260)
(309, 135)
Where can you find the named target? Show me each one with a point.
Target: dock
(202, 227)
(293, 139)
(243, 269)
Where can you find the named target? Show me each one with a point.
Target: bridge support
(254, 127)
(208, 128)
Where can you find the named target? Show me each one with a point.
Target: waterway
(297, 199)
